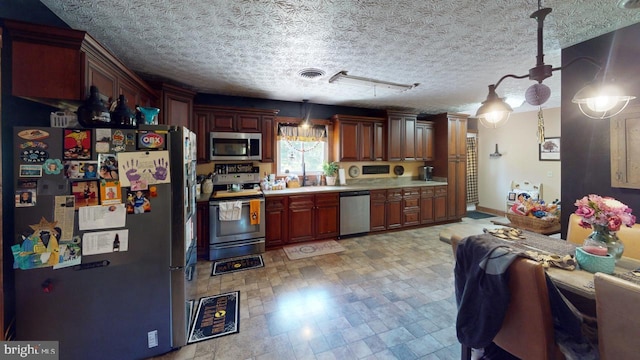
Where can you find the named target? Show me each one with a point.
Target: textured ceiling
(255, 48)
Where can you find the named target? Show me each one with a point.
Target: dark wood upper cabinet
(424, 141)
(358, 138)
(176, 106)
(200, 120)
(401, 128)
(57, 66)
(268, 138)
(222, 121)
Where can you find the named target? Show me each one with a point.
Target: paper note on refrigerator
(148, 167)
(64, 215)
(105, 242)
(101, 217)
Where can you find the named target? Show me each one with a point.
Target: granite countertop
(377, 185)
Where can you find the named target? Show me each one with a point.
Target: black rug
(478, 215)
(237, 264)
(216, 316)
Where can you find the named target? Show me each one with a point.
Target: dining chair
(618, 317)
(630, 236)
(527, 330)
(576, 233)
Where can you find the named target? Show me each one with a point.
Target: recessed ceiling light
(311, 73)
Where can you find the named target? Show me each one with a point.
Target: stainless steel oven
(230, 238)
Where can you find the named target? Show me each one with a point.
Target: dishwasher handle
(354, 193)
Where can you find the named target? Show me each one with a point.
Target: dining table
(575, 284)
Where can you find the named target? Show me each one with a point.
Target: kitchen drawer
(413, 202)
(411, 218)
(427, 191)
(301, 201)
(378, 195)
(407, 192)
(394, 194)
(327, 199)
(441, 190)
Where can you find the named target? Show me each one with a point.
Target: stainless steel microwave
(235, 146)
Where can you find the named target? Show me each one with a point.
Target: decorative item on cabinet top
(93, 112)
(149, 115)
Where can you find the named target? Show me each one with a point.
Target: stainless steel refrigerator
(130, 298)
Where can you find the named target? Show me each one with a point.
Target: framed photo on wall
(549, 150)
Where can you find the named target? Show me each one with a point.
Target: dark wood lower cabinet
(426, 205)
(307, 217)
(378, 209)
(202, 224)
(301, 219)
(276, 220)
(440, 203)
(327, 216)
(394, 209)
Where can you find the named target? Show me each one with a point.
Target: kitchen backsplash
(410, 169)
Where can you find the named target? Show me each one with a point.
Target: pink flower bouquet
(604, 211)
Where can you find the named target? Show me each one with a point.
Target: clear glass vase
(602, 241)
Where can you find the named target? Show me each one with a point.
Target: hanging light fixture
(494, 111)
(305, 114)
(601, 101)
(598, 102)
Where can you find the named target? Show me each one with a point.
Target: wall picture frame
(549, 150)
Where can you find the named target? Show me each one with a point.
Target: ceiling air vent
(311, 73)
(629, 4)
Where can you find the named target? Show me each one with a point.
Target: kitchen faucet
(304, 172)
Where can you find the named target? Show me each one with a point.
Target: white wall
(518, 145)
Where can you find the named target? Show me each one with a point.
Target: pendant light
(305, 114)
(601, 101)
(597, 101)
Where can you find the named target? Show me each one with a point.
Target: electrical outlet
(549, 173)
(152, 338)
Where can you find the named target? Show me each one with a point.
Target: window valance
(293, 132)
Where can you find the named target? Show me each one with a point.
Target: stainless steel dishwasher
(354, 212)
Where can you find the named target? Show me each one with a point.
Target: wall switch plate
(152, 338)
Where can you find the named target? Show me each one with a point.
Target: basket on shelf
(531, 222)
(64, 119)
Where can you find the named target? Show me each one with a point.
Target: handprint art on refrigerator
(160, 170)
(144, 168)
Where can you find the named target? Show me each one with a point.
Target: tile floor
(388, 296)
